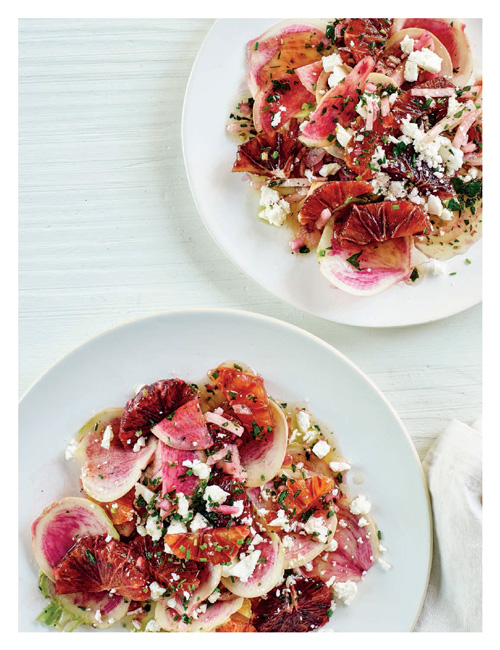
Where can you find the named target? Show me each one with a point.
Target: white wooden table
(109, 232)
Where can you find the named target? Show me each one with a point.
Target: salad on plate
(205, 508)
(364, 137)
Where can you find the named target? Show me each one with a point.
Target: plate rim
(192, 311)
(372, 325)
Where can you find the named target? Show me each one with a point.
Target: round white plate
(296, 367)
(229, 207)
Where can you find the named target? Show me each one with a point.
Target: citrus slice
(214, 545)
(328, 197)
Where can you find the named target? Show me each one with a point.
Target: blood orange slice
(301, 494)
(329, 196)
(301, 607)
(276, 103)
(95, 565)
(275, 155)
(366, 36)
(379, 222)
(151, 405)
(246, 395)
(236, 626)
(214, 545)
(122, 510)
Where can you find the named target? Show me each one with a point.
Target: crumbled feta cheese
(343, 135)
(317, 525)
(136, 624)
(275, 209)
(244, 568)
(144, 492)
(156, 591)
(214, 597)
(240, 506)
(153, 528)
(309, 175)
(346, 591)
(385, 565)
(397, 190)
(198, 523)
(332, 545)
(108, 538)
(281, 520)
(362, 522)
(107, 437)
(435, 267)
(182, 505)
(176, 527)
(303, 421)
(329, 170)
(331, 61)
(262, 512)
(141, 442)
(407, 44)
(276, 119)
(339, 466)
(338, 75)
(427, 60)
(410, 71)
(434, 205)
(452, 157)
(287, 541)
(71, 449)
(321, 449)
(200, 469)
(98, 616)
(360, 505)
(215, 494)
(152, 626)
(446, 215)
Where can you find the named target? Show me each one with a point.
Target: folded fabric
(454, 474)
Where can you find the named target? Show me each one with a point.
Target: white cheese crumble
(156, 591)
(329, 170)
(214, 597)
(153, 528)
(339, 466)
(331, 61)
(281, 521)
(345, 591)
(198, 523)
(182, 505)
(343, 135)
(338, 75)
(175, 528)
(360, 505)
(385, 565)
(427, 60)
(144, 492)
(275, 209)
(107, 437)
(407, 44)
(303, 421)
(152, 626)
(321, 449)
(317, 525)
(141, 442)
(240, 506)
(215, 494)
(244, 568)
(362, 522)
(71, 450)
(435, 267)
(434, 205)
(200, 469)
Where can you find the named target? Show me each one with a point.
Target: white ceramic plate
(296, 366)
(229, 206)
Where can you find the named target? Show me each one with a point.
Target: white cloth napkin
(454, 474)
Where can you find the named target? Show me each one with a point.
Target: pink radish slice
(185, 428)
(308, 75)
(266, 575)
(209, 579)
(451, 33)
(84, 606)
(262, 458)
(393, 47)
(215, 615)
(108, 474)
(281, 48)
(355, 553)
(59, 526)
(336, 106)
(173, 472)
(305, 548)
(380, 265)
(270, 116)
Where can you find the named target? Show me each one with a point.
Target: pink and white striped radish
(215, 615)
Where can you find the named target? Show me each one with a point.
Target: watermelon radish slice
(340, 104)
(263, 458)
(364, 270)
(173, 472)
(266, 575)
(451, 33)
(281, 48)
(276, 103)
(67, 612)
(185, 428)
(452, 237)
(215, 615)
(56, 530)
(305, 549)
(308, 75)
(355, 554)
(209, 577)
(108, 474)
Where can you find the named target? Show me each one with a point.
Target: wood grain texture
(109, 231)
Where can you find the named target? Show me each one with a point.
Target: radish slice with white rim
(305, 548)
(109, 473)
(59, 526)
(215, 615)
(209, 579)
(266, 574)
(262, 459)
